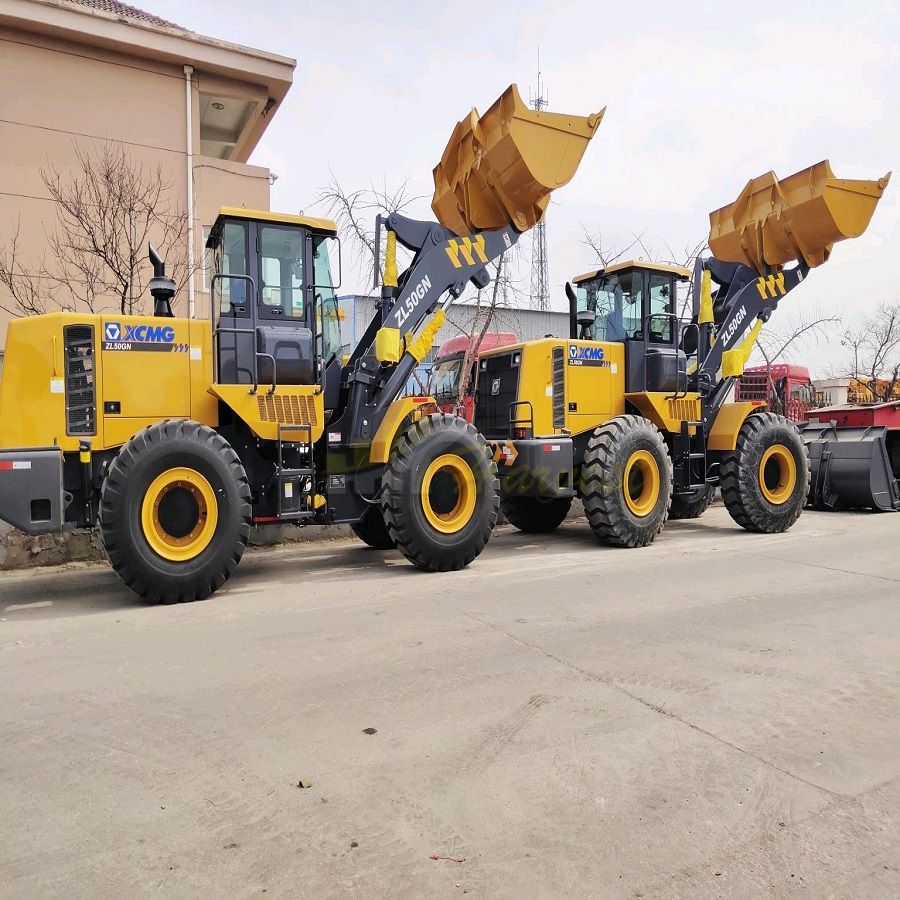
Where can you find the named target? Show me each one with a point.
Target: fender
(728, 422)
(393, 420)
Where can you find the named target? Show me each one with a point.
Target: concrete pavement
(715, 715)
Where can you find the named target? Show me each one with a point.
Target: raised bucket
(500, 168)
(774, 222)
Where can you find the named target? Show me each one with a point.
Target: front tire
(535, 515)
(765, 479)
(440, 493)
(175, 512)
(627, 482)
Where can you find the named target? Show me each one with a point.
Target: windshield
(445, 377)
(802, 392)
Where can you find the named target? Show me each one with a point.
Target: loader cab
(274, 308)
(635, 303)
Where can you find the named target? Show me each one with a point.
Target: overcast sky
(700, 99)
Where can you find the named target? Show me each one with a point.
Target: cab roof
(261, 215)
(678, 271)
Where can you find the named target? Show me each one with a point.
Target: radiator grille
(289, 410)
(498, 388)
(685, 410)
(559, 388)
(81, 398)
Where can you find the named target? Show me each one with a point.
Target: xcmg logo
(586, 356)
(592, 353)
(155, 334)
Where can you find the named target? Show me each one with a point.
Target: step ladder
(690, 461)
(296, 486)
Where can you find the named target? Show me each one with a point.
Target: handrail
(217, 277)
(518, 420)
(225, 329)
(645, 336)
(685, 328)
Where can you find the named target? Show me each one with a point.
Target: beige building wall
(60, 95)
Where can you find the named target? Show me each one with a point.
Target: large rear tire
(692, 506)
(534, 515)
(175, 512)
(440, 493)
(627, 482)
(371, 529)
(765, 479)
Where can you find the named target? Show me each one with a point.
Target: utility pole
(540, 264)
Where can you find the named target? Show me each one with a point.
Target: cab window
(328, 314)
(662, 306)
(616, 302)
(445, 377)
(281, 271)
(230, 258)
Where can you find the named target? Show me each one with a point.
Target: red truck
(448, 365)
(785, 388)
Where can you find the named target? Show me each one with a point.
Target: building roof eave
(140, 38)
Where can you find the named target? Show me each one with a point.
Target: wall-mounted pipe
(189, 120)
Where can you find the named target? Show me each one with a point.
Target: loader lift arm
(398, 338)
(492, 184)
(748, 301)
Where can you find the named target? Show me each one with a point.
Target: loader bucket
(801, 217)
(500, 168)
(850, 468)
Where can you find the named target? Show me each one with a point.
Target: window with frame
(662, 306)
(281, 271)
(230, 258)
(328, 312)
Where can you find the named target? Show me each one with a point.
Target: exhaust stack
(162, 288)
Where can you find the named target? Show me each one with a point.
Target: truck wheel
(627, 482)
(765, 480)
(692, 506)
(535, 515)
(372, 530)
(175, 512)
(440, 493)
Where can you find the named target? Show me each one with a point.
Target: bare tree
(775, 345)
(483, 316)
(875, 348)
(354, 213)
(28, 292)
(95, 253)
(107, 212)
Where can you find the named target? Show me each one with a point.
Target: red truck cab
(447, 370)
(786, 389)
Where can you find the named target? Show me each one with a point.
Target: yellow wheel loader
(631, 413)
(174, 436)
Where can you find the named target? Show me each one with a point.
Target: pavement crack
(812, 565)
(654, 707)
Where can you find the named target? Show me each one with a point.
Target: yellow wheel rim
(640, 483)
(179, 514)
(777, 474)
(448, 493)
